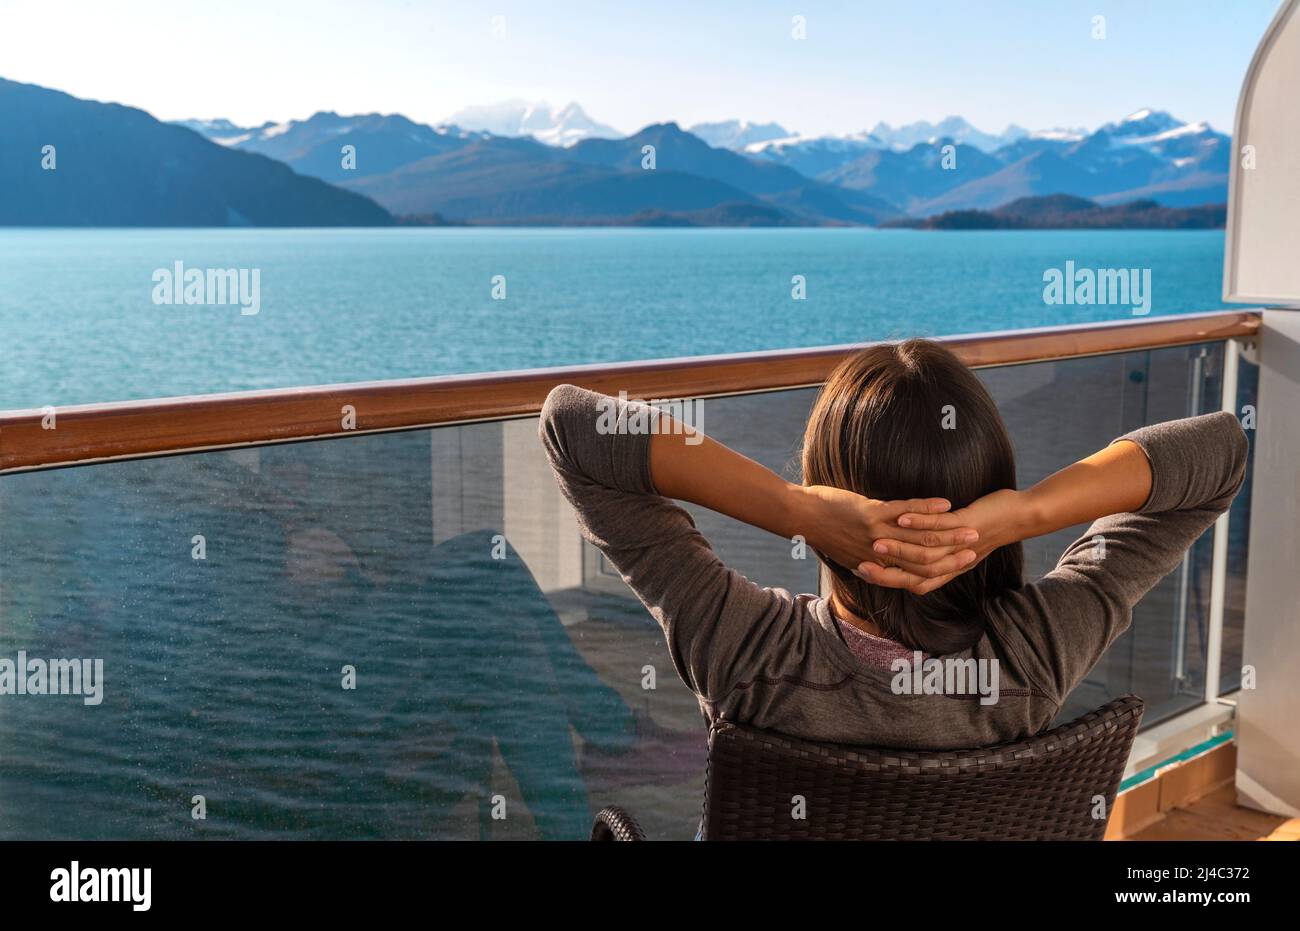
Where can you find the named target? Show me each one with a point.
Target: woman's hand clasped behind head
(851, 529)
(997, 519)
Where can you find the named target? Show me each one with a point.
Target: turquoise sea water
(80, 324)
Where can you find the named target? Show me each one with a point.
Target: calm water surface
(353, 305)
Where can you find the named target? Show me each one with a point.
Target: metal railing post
(1219, 562)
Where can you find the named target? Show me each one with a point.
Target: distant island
(1062, 211)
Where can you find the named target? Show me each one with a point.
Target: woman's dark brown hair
(909, 420)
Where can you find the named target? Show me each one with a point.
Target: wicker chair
(1042, 788)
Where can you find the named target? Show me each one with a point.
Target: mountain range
(1148, 154)
(520, 163)
(477, 175)
(71, 162)
(882, 136)
(482, 177)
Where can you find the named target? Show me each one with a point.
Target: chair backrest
(1049, 787)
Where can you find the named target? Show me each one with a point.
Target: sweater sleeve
(1062, 624)
(718, 625)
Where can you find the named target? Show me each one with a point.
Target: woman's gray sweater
(775, 660)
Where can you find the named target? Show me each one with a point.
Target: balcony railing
(97, 432)
(365, 610)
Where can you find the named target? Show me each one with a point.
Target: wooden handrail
(99, 432)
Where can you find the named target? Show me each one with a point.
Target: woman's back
(779, 661)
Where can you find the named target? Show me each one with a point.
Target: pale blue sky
(1033, 62)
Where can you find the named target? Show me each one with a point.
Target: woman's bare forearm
(705, 472)
(1113, 480)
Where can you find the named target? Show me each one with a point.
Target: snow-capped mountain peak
(955, 128)
(739, 134)
(563, 127)
(1144, 122)
(212, 127)
(279, 129)
(1059, 134)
